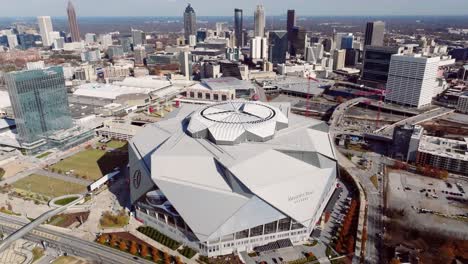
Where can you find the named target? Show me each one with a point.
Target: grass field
(47, 186)
(91, 164)
(43, 155)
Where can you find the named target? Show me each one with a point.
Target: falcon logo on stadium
(137, 179)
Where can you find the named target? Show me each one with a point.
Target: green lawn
(91, 164)
(65, 201)
(43, 155)
(48, 186)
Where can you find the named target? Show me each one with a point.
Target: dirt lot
(14, 167)
(430, 237)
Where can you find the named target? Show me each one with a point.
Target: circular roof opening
(233, 122)
(238, 113)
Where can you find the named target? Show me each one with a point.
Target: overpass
(30, 226)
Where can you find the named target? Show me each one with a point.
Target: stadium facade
(232, 176)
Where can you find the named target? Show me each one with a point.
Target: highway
(374, 197)
(67, 243)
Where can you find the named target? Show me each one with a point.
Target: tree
(133, 248)
(2, 173)
(395, 261)
(178, 260)
(102, 239)
(167, 258)
(123, 245)
(113, 241)
(443, 174)
(144, 250)
(155, 254)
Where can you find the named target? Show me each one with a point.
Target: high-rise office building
(337, 39)
(291, 20)
(238, 27)
(314, 53)
(72, 23)
(298, 41)
(202, 34)
(106, 40)
(278, 46)
(185, 64)
(327, 44)
(26, 41)
(259, 21)
(412, 80)
(190, 22)
(140, 55)
(115, 51)
(352, 57)
(375, 33)
(90, 38)
(376, 63)
(40, 104)
(12, 41)
(138, 37)
(259, 48)
(45, 28)
(339, 57)
(347, 42)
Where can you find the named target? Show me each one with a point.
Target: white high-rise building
(90, 38)
(221, 27)
(106, 40)
(337, 38)
(259, 20)
(339, 57)
(45, 28)
(412, 79)
(259, 48)
(12, 41)
(184, 62)
(314, 53)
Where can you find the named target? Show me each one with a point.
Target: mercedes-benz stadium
(232, 176)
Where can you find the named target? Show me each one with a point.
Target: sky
(15, 8)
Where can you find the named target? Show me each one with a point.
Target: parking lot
(428, 201)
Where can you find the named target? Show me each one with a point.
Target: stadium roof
(221, 189)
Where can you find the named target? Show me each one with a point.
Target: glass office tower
(40, 103)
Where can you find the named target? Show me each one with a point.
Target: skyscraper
(138, 37)
(190, 22)
(291, 22)
(374, 33)
(238, 26)
(72, 23)
(376, 64)
(40, 103)
(298, 41)
(259, 48)
(259, 20)
(45, 28)
(346, 42)
(278, 46)
(412, 79)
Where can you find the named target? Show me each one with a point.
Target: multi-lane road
(69, 244)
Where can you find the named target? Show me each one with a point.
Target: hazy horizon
(175, 8)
